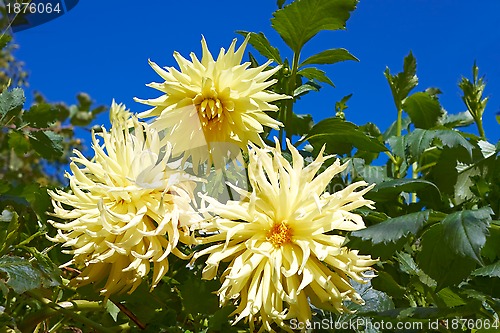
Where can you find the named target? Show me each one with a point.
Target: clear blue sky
(102, 47)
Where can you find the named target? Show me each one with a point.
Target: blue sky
(102, 47)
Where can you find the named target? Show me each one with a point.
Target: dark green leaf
(301, 20)
(441, 262)
(340, 136)
(386, 283)
(280, 3)
(383, 190)
(300, 124)
(312, 73)
(219, 321)
(42, 115)
(466, 232)
(19, 142)
(420, 139)
(402, 83)
(48, 144)
(20, 275)
(261, 43)
(203, 300)
(393, 229)
(423, 109)
(331, 56)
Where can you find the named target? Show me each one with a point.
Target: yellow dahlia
(127, 208)
(213, 108)
(281, 241)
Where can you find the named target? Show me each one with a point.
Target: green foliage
(301, 20)
(424, 110)
(341, 136)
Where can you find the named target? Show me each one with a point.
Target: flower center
(279, 234)
(210, 111)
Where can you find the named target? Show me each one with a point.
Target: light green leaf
(312, 73)
(423, 109)
(465, 232)
(301, 20)
(393, 229)
(260, 42)
(331, 56)
(112, 309)
(340, 136)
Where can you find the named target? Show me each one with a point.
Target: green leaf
(384, 190)
(300, 124)
(331, 56)
(466, 232)
(11, 102)
(420, 139)
(5, 38)
(112, 309)
(492, 270)
(340, 136)
(43, 115)
(301, 20)
(261, 43)
(46, 143)
(392, 130)
(398, 145)
(386, 283)
(9, 226)
(441, 262)
(305, 88)
(409, 266)
(21, 275)
(402, 83)
(203, 300)
(219, 321)
(461, 119)
(423, 109)
(393, 229)
(312, 73)
(19, 142)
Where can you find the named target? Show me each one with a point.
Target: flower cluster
(132, 204)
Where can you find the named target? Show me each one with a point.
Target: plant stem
(479, 123)
(66, 308)
(290, 90)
